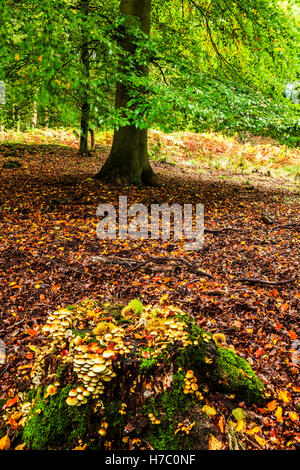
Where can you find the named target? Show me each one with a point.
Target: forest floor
(50, 255)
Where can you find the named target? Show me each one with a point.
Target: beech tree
(128, 160)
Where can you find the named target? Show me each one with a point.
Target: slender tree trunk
(84, 125)
(85, 65)
(128, 161)
(34, 115)
(92, 132)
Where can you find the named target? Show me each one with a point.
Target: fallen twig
(289, 225)
(265, 281)
(220, 230)
(167, 259)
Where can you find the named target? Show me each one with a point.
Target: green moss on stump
(54, 424)
(224, 369)
(237, 376)
(168, 407)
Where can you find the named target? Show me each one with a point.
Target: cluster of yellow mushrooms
(191, 386)
(152, 418)
(92, 363)
(93, 344)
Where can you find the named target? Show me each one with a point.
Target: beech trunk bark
(85, 65)
(128, 161)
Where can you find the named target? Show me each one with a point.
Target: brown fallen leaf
(214, 443)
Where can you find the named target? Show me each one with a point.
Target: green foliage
(136, 306)
(213, 65)
(113, 417)
(148, 363)
(52, 423)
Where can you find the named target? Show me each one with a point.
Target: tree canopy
(220, 65)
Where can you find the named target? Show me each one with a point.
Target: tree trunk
(128, 161)
(84, 126)
(92, 132)
(34, 116)
(85, 105)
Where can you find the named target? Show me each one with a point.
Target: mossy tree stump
(119, 377)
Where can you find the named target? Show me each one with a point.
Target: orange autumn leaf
(5, 443)
(16, 416)
(20, 447)
(254, 430)
(83, 447)
(13, 424)
(272, 405)
(10, 402)
(31, 332)
(221, 424)
(292, 334)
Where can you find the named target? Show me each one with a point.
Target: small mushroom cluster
(175, 330)
(153, 419)
(77, 396)
(103, 430)
(58, 326)
(115, 336)
(122, 410)
(185, 428)
(190, 385)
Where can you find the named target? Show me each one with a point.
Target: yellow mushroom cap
(97, 368)
(71, 401)
(219, 338)
(189, 374)
(107, 354)
(51, 390)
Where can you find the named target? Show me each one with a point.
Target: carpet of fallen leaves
(50, 256)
